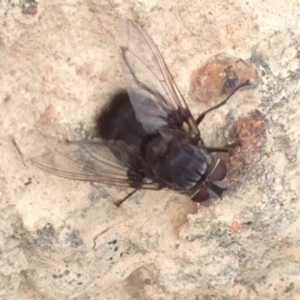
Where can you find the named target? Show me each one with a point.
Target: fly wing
(96, 160)
(153, 93)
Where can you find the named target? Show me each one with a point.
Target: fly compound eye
(201, 195)
(219, 172)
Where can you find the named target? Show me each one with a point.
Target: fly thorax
(156, 149)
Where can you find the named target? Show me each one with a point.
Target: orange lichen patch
(220, 76)
(235, 227)
(250, 131)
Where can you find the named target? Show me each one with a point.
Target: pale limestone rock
(60, 239)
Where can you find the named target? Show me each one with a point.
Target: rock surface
(62, 239)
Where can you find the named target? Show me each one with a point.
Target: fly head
(214, 183)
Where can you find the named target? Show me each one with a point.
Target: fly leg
(226, 149)
(119, 202)
(202, 116)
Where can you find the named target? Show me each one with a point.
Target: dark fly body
(146, 136)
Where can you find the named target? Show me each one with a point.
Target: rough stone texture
(61, 239)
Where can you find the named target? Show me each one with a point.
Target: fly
(147, 137)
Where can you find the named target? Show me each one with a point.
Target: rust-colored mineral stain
(48, 115)
(30, 8)
(221, 76)
(235, 227)
(103, 77)
(250, 131)
(85, 69)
